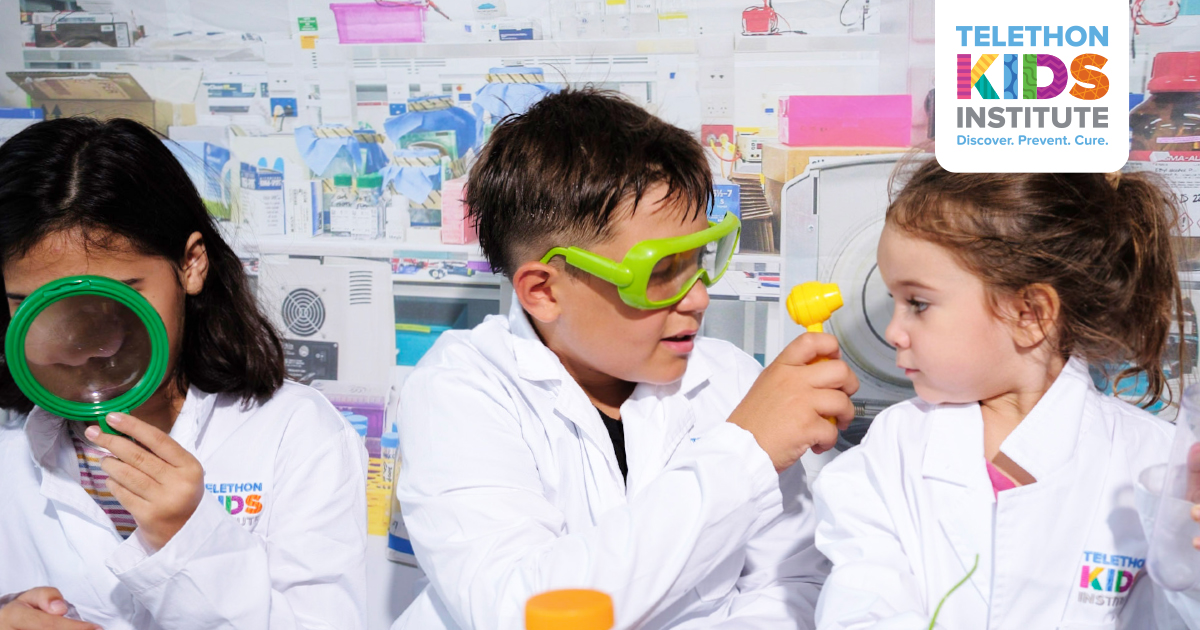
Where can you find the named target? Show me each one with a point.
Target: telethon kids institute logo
(1105, 579)
(1032, 85)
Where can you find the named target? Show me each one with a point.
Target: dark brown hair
(554, 175)
(117, 178)
(1103, 242)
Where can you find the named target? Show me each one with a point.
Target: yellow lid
(573, 609)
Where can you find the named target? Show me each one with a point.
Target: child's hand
(39, 609)
(788, 407)
(1193, 486)
(160, 487)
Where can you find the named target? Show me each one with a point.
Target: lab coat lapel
(537, 364)
(1065, 445)
(960, 489)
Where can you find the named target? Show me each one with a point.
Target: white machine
(832, 218)
(336, 315)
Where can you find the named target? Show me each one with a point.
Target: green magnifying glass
(83, 347)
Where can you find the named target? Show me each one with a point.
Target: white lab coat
(510, 487)
(903, 516)
(277, 542)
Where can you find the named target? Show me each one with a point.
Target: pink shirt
(1000, 483)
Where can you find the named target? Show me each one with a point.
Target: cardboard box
(781, 162)
(206, 165)
(81, 34)
(261, 201)
(727, 197)
(101, 95)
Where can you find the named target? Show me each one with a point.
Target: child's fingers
(129, 452)
(44, 598)
(1193, 474)
(26, 618)
(159, 443)
(130, 478)
(831, 403)
(132, 502)
(808, 347)
(835, 375)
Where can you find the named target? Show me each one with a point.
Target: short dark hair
(118, 178)
(554, 175)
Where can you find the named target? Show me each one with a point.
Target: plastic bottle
(389, 447)
(1169, 121)
(368, 215)
(1172, 561)
(341, 206)
(574, 609)
(342, 164)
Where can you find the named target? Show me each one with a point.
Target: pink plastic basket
(846, 121)
(371, 23)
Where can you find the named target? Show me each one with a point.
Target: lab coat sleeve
(872, 584)
(309, 571)
(488, 537)
(784, 571)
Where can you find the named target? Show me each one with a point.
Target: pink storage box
(370, 23)
(457, 228)
(846, 121)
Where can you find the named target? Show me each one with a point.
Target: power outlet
(716, 108)
(716, 135)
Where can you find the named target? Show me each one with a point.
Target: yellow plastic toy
(571, 609)
(812, 304)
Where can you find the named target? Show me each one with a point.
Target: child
(1010, 467)
(582, 440)
(242, 502)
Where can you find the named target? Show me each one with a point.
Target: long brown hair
(1103, 242)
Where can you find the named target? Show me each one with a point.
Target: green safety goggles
(659, 272)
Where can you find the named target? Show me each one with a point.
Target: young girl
(240, 499)
(1011, 468)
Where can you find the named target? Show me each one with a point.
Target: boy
(590, 439)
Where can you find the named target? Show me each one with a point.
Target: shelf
(550, 48)
(251, 51)
(349, 247)
(528, 48)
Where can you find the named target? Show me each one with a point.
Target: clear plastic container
(1173, 562)
(1168, 121)
(341, 207)
(367, 220)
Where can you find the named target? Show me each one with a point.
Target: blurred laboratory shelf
(246, 51)
(551, 48)
(349, 247)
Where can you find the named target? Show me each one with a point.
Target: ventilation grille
(303, 312)
(360, 287)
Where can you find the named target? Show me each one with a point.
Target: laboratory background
(333, 141)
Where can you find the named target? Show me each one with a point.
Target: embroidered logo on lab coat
(1105, 580)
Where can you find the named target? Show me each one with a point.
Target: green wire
(937, 610)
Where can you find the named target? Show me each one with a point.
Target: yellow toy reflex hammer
(811, 305)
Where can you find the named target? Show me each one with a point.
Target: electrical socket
(716, 107)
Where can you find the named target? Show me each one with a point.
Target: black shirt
(616, 432)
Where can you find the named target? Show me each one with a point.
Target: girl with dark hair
(1008, 494)
(237, 499)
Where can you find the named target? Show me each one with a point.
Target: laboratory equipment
(569, 609)
(1172, 561)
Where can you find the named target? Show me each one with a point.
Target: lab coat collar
(46, 432)
(1041, 444)
(1047, 438)
(536, 362)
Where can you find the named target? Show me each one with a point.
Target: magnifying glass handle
(107, 429)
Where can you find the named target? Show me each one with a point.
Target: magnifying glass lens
(87, 348)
